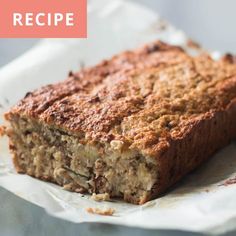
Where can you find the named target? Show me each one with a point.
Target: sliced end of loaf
(51, 154)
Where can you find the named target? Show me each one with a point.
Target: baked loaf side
(131, 126)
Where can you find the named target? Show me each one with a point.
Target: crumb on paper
(229, 182)
(99, 211)
(100, 197)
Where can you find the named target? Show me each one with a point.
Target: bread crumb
(229, 58)
(103, 212)
(101, 197)
(2, 130)
(229, 182)
(193, 44)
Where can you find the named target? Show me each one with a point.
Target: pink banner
(43, 18)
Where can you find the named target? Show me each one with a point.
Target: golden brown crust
(87, 81)
(142, 107)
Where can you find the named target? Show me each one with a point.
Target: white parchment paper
(201, 202)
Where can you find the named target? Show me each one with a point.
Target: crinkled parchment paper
(201, 202)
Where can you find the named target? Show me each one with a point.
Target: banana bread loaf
(129, 127)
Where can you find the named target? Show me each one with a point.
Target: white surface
(33, 69)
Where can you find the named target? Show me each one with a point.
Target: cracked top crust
(143, 98)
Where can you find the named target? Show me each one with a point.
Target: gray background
(210, 22)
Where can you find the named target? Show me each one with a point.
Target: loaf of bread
(130, 127)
